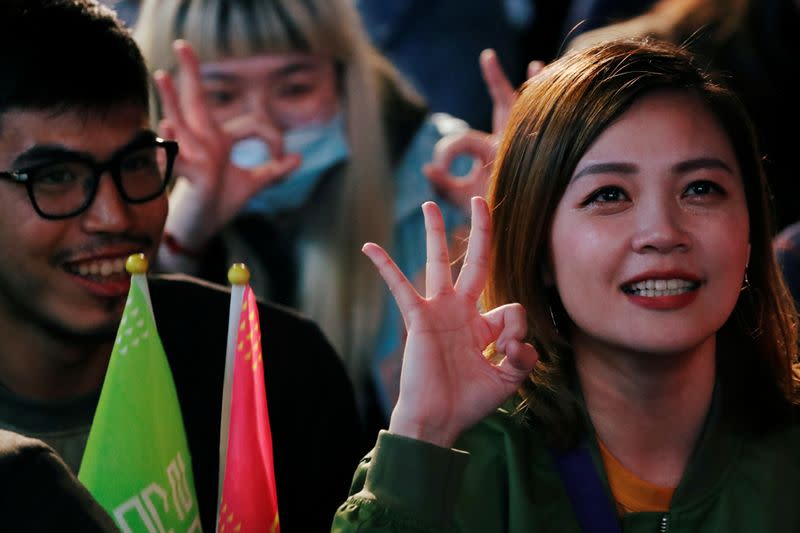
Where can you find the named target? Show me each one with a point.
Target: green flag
(137, 462)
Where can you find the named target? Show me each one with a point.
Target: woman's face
(283, 90)
(649, 243)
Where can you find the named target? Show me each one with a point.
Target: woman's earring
(553, 319)
(746, 282)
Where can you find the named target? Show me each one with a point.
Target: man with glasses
(82, 181)
(63, 183)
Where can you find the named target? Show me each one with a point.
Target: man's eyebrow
(45, 152)
(606, 168)
(41, 153)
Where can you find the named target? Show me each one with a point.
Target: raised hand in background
(479, 145)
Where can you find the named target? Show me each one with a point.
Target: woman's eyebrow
(701, 163)
(606, 168)
(628, 168)
(294, 67)
(218, 75)
(299, 65)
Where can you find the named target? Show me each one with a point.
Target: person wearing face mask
(321, 147)
(298, 142)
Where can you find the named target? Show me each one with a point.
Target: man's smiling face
(65, 275)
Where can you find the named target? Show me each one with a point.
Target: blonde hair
(337, 287)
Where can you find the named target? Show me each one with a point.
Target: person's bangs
(253, 27)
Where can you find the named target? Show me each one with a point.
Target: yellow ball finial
(137, 264)
(238, 274)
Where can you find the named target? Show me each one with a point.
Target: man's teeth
(104, 267)
(660, 287)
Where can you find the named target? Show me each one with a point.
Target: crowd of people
(618, 351)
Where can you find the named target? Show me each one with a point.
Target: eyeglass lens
(64, 187)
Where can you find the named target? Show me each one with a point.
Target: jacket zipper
(664, 524)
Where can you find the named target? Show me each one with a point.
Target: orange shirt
(632, 494)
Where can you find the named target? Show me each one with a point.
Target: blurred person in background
(299, 142)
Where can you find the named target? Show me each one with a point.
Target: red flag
(249, 500)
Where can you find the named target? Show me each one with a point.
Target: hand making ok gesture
(473, 143)
(447, 384)
(219, 188)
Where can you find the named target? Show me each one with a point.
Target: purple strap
(594, 511)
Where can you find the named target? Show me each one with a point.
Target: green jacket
(507, 481)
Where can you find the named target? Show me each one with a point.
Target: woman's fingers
(404, 294)
(460, 189)
(438, 278)
(170, 104)
(192, 97)
(521, 358)
(165, 129)
(472, 278)
(500, 89)
(534, 68)
(510, 326)
(275, 170)
(474, 143)
(507, 322)
(245, 126)
(174, 123)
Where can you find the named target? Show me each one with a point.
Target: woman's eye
(219, 98)
(290, 90)
(606, 195)
(703, 188)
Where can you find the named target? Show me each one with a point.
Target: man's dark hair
(67, 55)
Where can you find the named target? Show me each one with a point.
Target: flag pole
(142, 426)
(238, 277)
(137, 266)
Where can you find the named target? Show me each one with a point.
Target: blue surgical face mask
(322, 146)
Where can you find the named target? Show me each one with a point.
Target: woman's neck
(648, 409)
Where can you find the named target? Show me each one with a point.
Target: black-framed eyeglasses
(65, 186)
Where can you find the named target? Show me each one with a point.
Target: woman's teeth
(660, 287)
(104, 267)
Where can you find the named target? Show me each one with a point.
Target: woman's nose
(259, 107)
(660, 227)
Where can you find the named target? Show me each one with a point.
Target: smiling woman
(646, 209)
(633, 303)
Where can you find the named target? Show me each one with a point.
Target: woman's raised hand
(482, 147)
(447, 384)
(219, 189)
